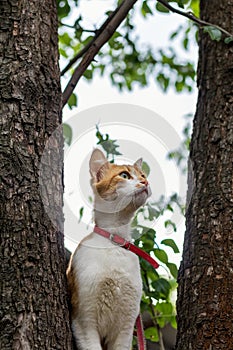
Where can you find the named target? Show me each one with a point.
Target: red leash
(140, 333)
(130, 246)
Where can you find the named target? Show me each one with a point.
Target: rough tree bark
(205, 298)
(34, 311)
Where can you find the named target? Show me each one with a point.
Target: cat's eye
(124, 175)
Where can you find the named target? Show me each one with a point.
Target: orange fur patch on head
(109, 177)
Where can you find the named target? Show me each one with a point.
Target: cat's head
(117, 187)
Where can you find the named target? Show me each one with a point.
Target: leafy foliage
(170, 243)
(63, 8)
(125, 59)
(108, 145)
(151, 333)
(216, 34)
(73, 101)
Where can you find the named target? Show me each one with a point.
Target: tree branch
(77, 27)
(84, 50)
(103, 35)
(79, 55)
(193, 18)
(81, 52)
(98, 32)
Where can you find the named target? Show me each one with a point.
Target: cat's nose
(144, 182)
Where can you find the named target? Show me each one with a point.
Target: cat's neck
(115, 223)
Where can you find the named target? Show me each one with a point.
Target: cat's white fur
(107, 276)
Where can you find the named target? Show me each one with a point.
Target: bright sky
(150, 126)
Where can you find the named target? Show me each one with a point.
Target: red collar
(127, 245)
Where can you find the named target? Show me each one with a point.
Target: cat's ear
(98, 163)
(138, 163)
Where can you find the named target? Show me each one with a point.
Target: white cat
(104, 279)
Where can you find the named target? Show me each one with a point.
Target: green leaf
(73, 101)
(181, 3)
(102, 69)
(164, 308)
(67, 133)
(168, 223)
(63, 8)
(150, 233)
(173, 322)
(162, 287)
(161, 255)
(169, 207)
(173, 269)
(163, 81)
(63, 52)
(194, 6)
(153, 213)
(135, 234)
(151, 334)
(108, 145)
(114, 43)
(152, 275)
(88, 74)
(80, 214)
(228, 40)
(185, 43)
(213, 32)
(166, 313)
(78, 33)
(87, 40)
(146, 168)
(159, 7)
(145, 9)
(65, 39)
(116, 35)
(170, 243)
(179, 85)
(148, 244)
(173, 35)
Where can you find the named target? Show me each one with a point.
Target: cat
(104, 279)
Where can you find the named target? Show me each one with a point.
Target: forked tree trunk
(205, 298)
(34, 312)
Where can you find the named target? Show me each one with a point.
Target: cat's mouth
(145, 189)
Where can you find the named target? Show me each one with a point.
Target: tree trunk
(205, 298)
(34, 311)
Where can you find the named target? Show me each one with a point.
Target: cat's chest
(96, 261)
